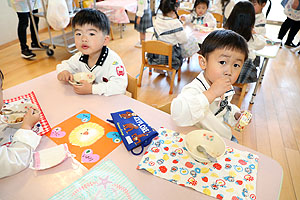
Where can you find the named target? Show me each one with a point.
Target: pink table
(116, 9)
(59, 102)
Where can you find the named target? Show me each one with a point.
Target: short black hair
(224, 39)
(93, 17)
(1, 78)
(167, 6)
(242, 19)
(197, 2)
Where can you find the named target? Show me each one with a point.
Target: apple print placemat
(42, 126)
(87, 136)
(232, 177)
(105, 181)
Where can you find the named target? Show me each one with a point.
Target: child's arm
(141, 5)
(210, 20)
(17, 156)
(181, 36)
(67, 68)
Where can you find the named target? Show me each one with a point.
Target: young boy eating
(205, 102)
(91, 37)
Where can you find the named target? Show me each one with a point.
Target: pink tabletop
(59, 102)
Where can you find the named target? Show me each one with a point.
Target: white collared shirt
(191, 107)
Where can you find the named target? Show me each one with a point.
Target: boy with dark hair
(91, 37)
(205, 102)
(200, 16)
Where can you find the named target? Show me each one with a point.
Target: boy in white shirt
(91, 37)
(16, 151)
(205, 102)
(200, 16)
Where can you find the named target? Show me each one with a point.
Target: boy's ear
(202, 62)
(106, 40)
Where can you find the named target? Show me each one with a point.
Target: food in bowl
(210, 141)
(83, 76)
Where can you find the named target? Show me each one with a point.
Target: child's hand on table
(182, 18)
(83, 88)
(30, 119)
(65, 76)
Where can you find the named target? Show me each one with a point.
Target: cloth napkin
(105, 181)
(232, 177)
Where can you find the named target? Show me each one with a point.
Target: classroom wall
(9, 23)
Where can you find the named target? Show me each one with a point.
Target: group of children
(205, 102)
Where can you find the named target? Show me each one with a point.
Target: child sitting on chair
(91, 37)
(16, 149)
(205, 102)
(200, 16)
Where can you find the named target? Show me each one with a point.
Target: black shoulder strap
(168, 32)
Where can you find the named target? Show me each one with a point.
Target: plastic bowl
(84, 76)
(211, 141)
(15, 120)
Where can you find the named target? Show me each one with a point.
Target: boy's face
(222, 63)
(201, 9)
(89, 40)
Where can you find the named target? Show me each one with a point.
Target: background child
(205, 102)
(223, 7)
(241, 20)
(21, 7)
(91, 37)
(16, 156)
(168, 29)
(200, 15)
(143, 19)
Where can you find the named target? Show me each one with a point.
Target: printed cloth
(232, 177)
(42, 126)
(105, 181)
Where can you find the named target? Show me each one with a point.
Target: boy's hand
(65, 76)
(84, 88)
(30, 119)
(237, 115)
(217, 89)
(138, 20)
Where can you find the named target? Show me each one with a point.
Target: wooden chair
(243, 86)
(219, 19)
(183, 12)
(161, 48)
(132, 86)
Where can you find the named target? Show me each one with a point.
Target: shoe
(138, 45)
(27, 54)
(290, 45)
(35, 46)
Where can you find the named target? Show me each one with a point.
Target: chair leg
(179, 74)
(242, 94)
(188, 61)
(172, 81)
(111, 34)
(141, 75)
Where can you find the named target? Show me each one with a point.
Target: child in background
(241, 20)
(199, 15)
(205, 102)
(260, 21)
(168, 28)
(22, 10)
(223, 7)
(91, 37)
(143, 19)
(16, 150)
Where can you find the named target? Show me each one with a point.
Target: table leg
(260, 77)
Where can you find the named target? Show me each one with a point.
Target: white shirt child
(191, 107)
(111, 75)
(207, 18)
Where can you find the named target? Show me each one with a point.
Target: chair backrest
(132, 86)
(157, 47)
(219, 19)
(183, 12)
